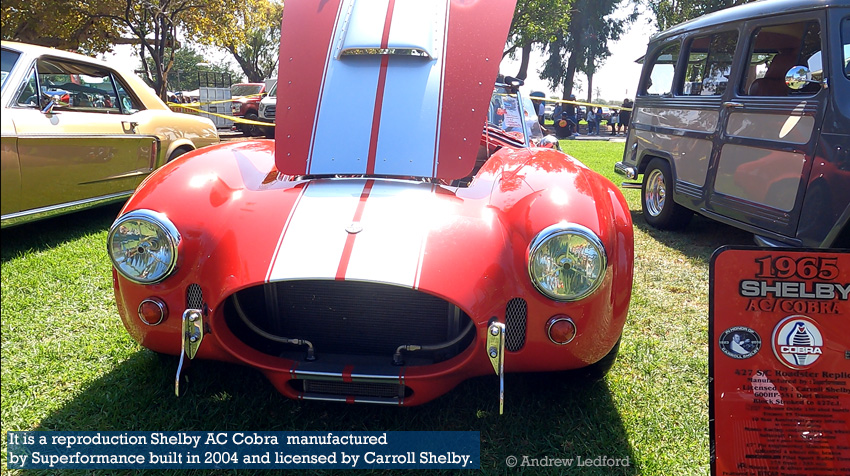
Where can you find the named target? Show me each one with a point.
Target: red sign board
(779, 362)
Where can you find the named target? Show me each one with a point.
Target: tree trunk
(575, 45)
(248, 68)
(525, 59)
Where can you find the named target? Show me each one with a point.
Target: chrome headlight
(566, 262)
(143, 246)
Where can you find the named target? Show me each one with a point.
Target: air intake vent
(194, 297)
(355, 389)
(515, 318)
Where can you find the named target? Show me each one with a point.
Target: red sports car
(382, 248)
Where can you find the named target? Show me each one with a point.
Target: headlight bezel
(168, 230)
(557, 230)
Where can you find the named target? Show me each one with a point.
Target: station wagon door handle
(733, 105)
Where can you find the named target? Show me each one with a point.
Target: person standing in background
(615, 121)
(626, 115)
(570, 108)
(592, 122)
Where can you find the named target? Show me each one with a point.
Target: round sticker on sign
(740, 342)
(797, 342)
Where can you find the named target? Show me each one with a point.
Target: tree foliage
(534, 24)
(152, 25)
(583, 44)
(673, 12)
(63, 24)
(258, 53)
(190, 69)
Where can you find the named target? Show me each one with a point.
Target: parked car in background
(246, 102)
(78, 133)
(266, 112)
(399, 236)
(743, 116)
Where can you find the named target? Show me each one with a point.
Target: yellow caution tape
(190, 106)
(233, 99)
(579, 103)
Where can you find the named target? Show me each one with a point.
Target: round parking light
(561, 330)
(152, 311)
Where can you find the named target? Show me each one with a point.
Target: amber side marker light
(561, 330)
(153, 311)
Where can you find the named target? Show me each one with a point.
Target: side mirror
(550, 142)
(799, 77)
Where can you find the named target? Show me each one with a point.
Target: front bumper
(626, 170)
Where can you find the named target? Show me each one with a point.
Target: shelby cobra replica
(381, 249)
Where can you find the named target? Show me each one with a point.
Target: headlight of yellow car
(566, 262)
(143, 246)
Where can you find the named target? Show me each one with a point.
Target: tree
(153, 25)
(258, 54)
(62, 24)
(533, 24)
(188, 63)
(583, 43)
(599, 28)
(672, 12)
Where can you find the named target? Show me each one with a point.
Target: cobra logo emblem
(797, 342)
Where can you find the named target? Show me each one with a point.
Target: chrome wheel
(659, 210)
(656, 193)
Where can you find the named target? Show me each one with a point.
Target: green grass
(68, 363)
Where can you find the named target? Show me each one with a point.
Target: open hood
(386, 87)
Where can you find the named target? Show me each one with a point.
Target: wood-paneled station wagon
(382, 248)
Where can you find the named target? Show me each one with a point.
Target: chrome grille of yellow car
(515, 321)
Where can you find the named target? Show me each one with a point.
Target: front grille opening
(194, 297)
(351, 389)
(347, 318)
(515, 324)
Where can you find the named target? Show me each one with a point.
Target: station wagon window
(776, 49)
(709, 63)
(75, 87)
(845, 38)
(660, 80)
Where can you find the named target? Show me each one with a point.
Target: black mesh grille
(515, 318)
(194, 297)
(349, 318)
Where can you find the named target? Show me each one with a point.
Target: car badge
(797, 342)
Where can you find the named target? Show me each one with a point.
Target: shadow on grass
(52, 232)
(545, 415)
(699, 239)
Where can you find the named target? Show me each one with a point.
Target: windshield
(245, 89)
(509, 112)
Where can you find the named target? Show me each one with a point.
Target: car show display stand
(779, 362)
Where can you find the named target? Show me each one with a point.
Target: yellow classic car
(78, 133)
